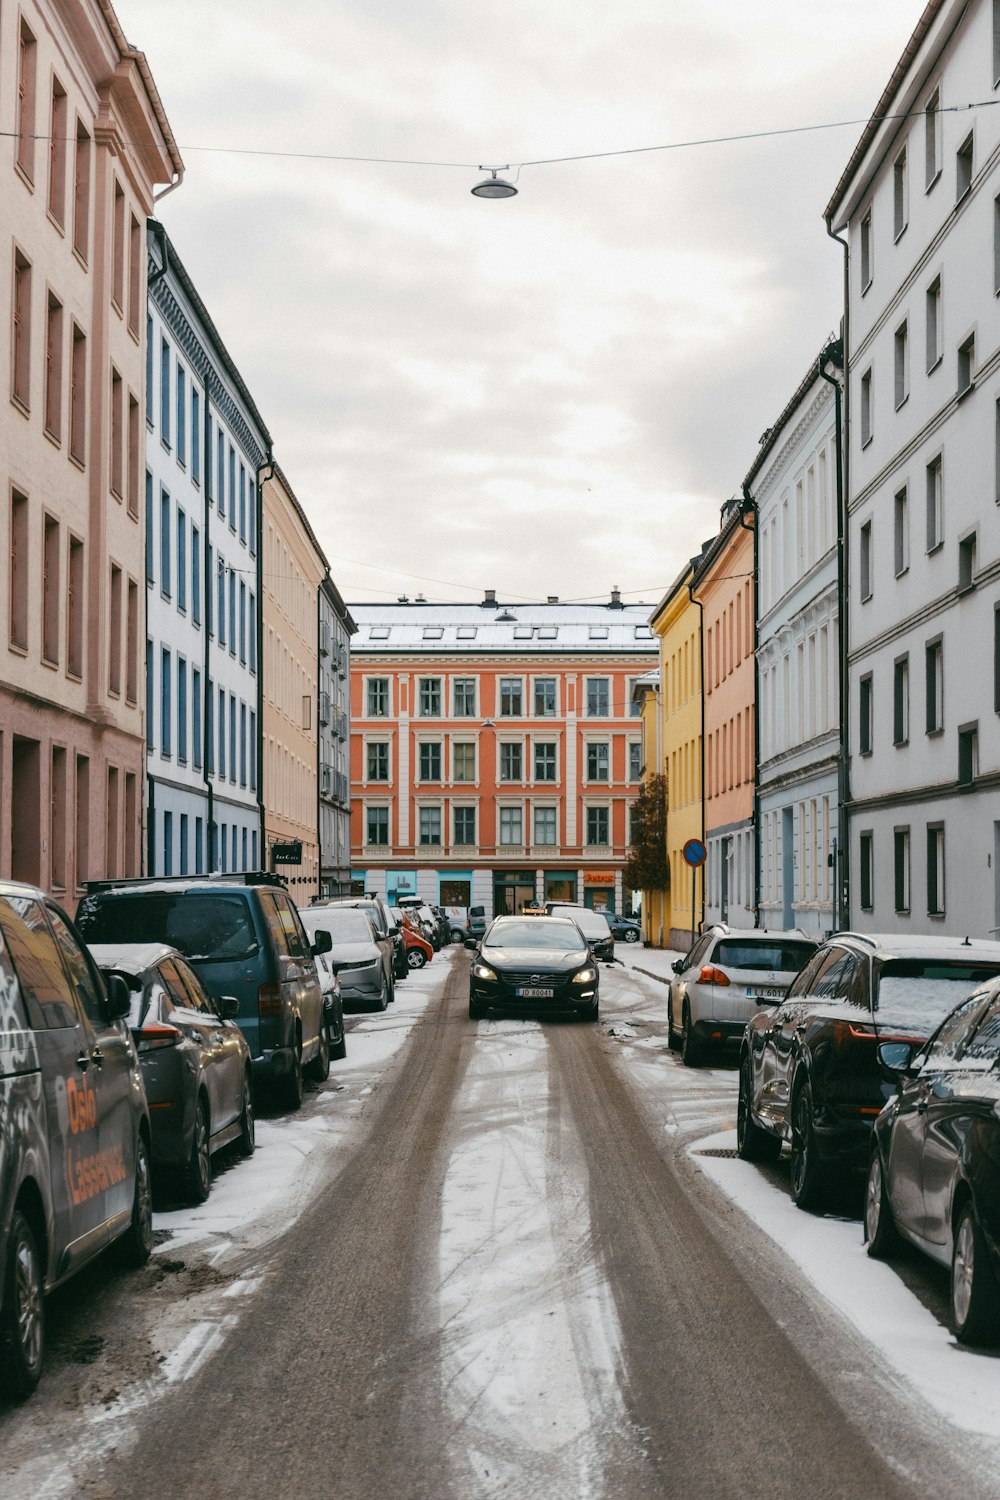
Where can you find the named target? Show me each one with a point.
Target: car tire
(881, 1235)
(392, 988)
(975, 1295)
(415, 958)
(22, 1318)
(752, 1143)
(136, 1243)
(808, 1175)
(673, 1037)
(631, 936)
(338, 1050)
(291, 1088)
(692, 1050)
(319, 1068)
(383, 996)
(247, 1139)
(198, 1172)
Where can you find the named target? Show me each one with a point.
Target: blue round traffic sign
(695, 853)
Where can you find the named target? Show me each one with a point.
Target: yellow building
(655, 902)
(677, 624)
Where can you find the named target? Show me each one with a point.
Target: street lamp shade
(494, 186)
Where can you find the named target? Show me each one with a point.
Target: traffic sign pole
(695, 854)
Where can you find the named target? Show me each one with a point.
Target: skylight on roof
(379, 632)
(466, 632)
(433, 632)
(598, 632)
(548, 632)
(523, 632)
(643, 633)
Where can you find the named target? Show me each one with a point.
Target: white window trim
(376, 677)
(428, 739)
(375, 739)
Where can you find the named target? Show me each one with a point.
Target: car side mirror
(471, 942)
(322, 943)
(228, 1007)
(119, 997)
(678, 966)
(896, 1060)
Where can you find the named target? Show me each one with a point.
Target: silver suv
(728, 976)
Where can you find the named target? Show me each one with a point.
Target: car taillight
(846, 1033)
(269, 1000)
(156, 1035)
(710, 975)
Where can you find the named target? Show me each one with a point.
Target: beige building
(85, 140)
(293, 567)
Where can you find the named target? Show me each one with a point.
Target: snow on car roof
(132, 957)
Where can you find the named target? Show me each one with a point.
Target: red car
(418, 950)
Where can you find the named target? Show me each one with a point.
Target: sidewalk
(656, 963)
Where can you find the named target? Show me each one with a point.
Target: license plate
(765, 994)
(535, 994)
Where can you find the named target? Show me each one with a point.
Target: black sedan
(532, 966)
(623, 929)
(195, 1061)
(933, 1176)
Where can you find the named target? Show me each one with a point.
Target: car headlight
(586, 976)
(483, 971)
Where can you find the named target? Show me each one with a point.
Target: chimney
(616, 598)
(553, 599)
(403, 599)
(419, 599)
(490, 600)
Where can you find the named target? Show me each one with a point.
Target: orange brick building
(495, 750)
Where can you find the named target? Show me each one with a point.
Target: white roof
(132, 957)
(476, 628)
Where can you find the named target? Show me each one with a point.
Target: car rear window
(203, 925)
(593, 923)
(781, 957)
(916, 994)
(344, 926)
(536, 933)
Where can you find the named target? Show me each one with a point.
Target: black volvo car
(531, 966)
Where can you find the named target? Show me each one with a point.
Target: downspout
(835, 353)
(267, 465)
(701, 681)
(750, 508)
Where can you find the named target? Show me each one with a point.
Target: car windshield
(593, 923)
(783, 957)
(347, 925)
(534, 933)
(205, 926)
(917, 993)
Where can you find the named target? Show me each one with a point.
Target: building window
(196, 755)
(968, 754)
(51, 598)
(232, 742)
(966, 562)
(901, 532)
(220, 599)
(598, 702)
(511, 826)
(134, 452)
(78, 396)
(132, 643)
(865, 715)
(545, 761)
(75, 597)
(465, 825)
(81, 193)
(118, 247)
(902, 364)
(866, 408)
(117, 433)
(196, 575)
(430, 697)
(57, 153)
(53, 367)
(545, 825)
(232, 488)
(511, 762)
(378, 697)
(181, 415)
(19, 571)
(181, 560)
(182, 711)
(932, 140)
(934, 679)
(510, 697)
(429, 762)
(221, 764)
(220, 469)
(597, 761)
(545, 697)
(21, 335)
(465, 697)
(26, 63)
(935, 869)
(164, 393)
(463, 760)
(165, 544)
(243, 621)
(934, 308)
(867, 252)
(935, 504)
(963, 167)
(966, 365)
(165, 704)
(900, 201)
(865, 560)
(115, 605)
(635, 760)
(901, 701)
(597, 825)
(377, 830)
(430, 825)
(901, 870)
(866, 871)
(243, 503)
(134, 273)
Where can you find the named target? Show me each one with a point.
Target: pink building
(85, 140)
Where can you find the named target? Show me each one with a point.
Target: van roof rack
(216, 877)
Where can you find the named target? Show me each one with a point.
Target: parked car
(593, 925)
(358, 957)
(400, 968)
(74, 1125)
(377, 913)
(333, 1001)
(932, 1175)
(809, 1067)
(532, 966)
(195, 1061)
(724, 980)
(419, 949)
(243, 936)
(623, 929)
(475, 924)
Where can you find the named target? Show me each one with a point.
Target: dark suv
(242, 936)
(809, 1068)
(74, 1127)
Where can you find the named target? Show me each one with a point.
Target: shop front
(560, 886)
(399, 883)
(599, 889)
(512, 891)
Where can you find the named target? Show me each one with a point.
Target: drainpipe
(265, 472)
(750, 509)
(835, 354)
(701, 679)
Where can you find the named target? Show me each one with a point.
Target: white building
(918, 205)
(336, 626)
(206, 443)
(793, 481)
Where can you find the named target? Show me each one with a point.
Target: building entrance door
(512, 890)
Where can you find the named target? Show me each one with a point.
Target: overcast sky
(548, 394)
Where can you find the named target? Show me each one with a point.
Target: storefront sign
(286, 854)
(598, 877)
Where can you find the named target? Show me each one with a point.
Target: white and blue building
(336, 626)
(206, 445)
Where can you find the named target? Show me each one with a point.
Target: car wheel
(808, 1176)
(22, 1318)
(974, 1290)
(631, 936)
(880, 1231)
(338, 1050)
(137, 1241)
(198, 1172)
(383, 996)
(691, 1049)
(673, 1036)
(752, 1143)
(392, 988)
(319, 1068)
(415, 958)
(291, 1088)
(247, 1136)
